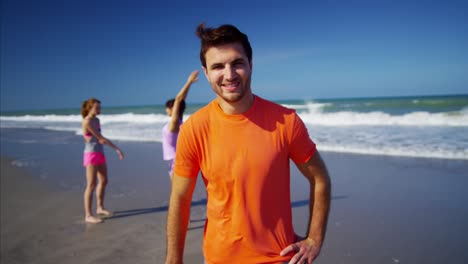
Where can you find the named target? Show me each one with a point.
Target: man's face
(229, 72)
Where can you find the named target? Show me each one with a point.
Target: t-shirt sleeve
(301, 147)
(186, 162)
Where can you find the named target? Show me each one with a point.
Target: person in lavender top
(175, 109)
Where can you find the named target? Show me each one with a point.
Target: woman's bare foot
(104, 212)
(93, 220)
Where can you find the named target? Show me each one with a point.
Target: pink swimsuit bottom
(93, 158)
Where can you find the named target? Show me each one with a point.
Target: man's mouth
(230, 87)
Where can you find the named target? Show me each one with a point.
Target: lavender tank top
(169, 141)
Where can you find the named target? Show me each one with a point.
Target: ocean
(418, 126)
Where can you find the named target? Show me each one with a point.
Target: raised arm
(174, 122)
(320, 188)
(178, 217)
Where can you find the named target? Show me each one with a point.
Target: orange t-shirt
(244, 160)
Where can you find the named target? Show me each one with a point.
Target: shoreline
(384, 209)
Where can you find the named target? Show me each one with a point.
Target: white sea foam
(464, 111)
(416, 134)
(117, 118)
(295, 106)
(62, 128)
(42, 118)
(22, 163)
(314, 115)
(396, 151)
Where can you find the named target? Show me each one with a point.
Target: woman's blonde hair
(87, 105)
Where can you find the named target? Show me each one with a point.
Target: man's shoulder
(274, 107)
(199, 117)
(202, 113)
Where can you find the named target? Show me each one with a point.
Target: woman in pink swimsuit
(94, 160)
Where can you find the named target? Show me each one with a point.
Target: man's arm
(320, 188)
(178, 217)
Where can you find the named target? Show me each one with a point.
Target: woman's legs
(91, 172)
(101, 189)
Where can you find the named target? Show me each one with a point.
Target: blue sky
(55, 54)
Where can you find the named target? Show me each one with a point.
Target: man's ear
(206, 73)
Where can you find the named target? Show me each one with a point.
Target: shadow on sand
(141, 211)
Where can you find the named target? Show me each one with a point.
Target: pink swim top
(88, 134)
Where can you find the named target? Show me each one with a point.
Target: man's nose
(229, 72)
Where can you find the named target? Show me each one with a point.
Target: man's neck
(237, 107)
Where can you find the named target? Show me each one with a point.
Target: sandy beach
(384, 209)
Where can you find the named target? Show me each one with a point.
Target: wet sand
(384, 209)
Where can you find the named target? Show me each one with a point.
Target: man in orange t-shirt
(242, 144)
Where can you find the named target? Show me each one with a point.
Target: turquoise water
(390, 105)
(418, 126)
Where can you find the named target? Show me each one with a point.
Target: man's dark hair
(225, 34)
(170, 104)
